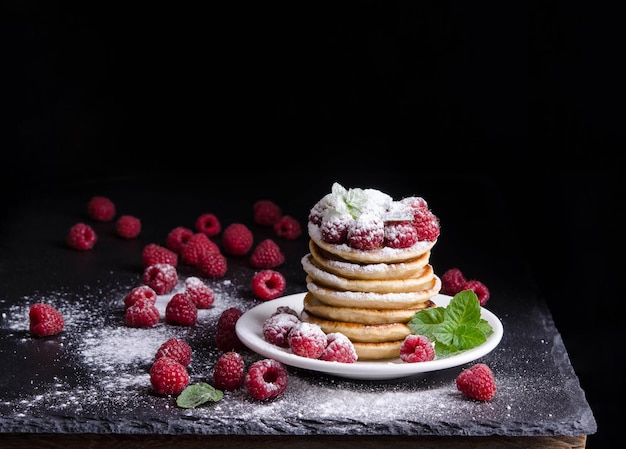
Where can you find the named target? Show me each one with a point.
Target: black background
(528, 96)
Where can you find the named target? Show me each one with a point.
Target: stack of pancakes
(369, 296)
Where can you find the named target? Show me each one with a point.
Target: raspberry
(201, 294)
(267, 254)
(181, 310)
(230, 371)
(477, 382)
(196, 247)
(266, 213)
(427, 225)
(288, 228)
(366, 233)
(161, 277)
(81, 236)
(268, 284)
(237, 239)
(153, 254)
(416, 348)
(416, 203)
(142, 313)
(101, 208)
(400, 234)
(480, 289)
(208, 224)
(128, 226)
(168, 377)
(213, 265)
(339, 348)
(226, 338)
(266, 379)
(140, 293)
(176, 349)
(307, 340)
(452, 282)
(277, 327)
(334, 228)
(177, 238)
(45, 320)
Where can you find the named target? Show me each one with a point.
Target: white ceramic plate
(249, 329)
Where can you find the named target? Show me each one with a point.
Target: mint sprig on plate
(455, 328)
(197, 394)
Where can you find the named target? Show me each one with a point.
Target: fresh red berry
(161, 277)
(177, 238)
(267, 254)
(416, 203)
(400, 234)
(81, 236)
(307, 340)
(128, 226)
(339, 348)
(416, 348)
(277, 327)
(142, 313)
(181, 310)
(208, 224)
(226, 338)
(366, 233)
(477, 382)
(480, 289)
(266, 379)
(266, 213)
(153, 254)
(198, 245)
(268, 284)
(288, 228)
(45, 320)
(427, 225)
(334, 228)
(200, 293)
(230, 371)
(213, 265)
(168, 377)
(237, 239)
(452, 282)
(176, 349)
(101, 208)
(140, 293)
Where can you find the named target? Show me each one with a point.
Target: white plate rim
(249, 329)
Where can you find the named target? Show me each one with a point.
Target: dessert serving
(368, 269)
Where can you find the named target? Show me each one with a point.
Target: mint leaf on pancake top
(455, 328)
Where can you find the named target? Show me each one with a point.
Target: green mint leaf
(425, 322)
(464, 308)
(485, 327)
(467, 337)
(197, 394)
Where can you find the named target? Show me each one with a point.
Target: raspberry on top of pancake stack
(368, 269)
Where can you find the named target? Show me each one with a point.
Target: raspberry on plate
(288, 228)
(180, 309)
(266, 212)
(452, 282)
(230, 371)
(208, 224)
(177, 238)
(477, 382)
(339, 349)
(198, 245)
(153, 254)
(307, 340)
(176, 349)
(213, 265)
(416, 348)
(142, 313)
(200, 293)
(101, 208)
(277, 327)
(168, 377)
(128, 226)
(226, 338)
(45, 320)
(140, 293)
(481, 290)
(237, 239)
(81, 236)
(266, 379)
(268, 284)
(161, 277)
(267, 254)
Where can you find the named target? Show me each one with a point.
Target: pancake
(422, 280)
(373, 300)
(351, 270)
(315, 307)
(356, 332)
(378, 351)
